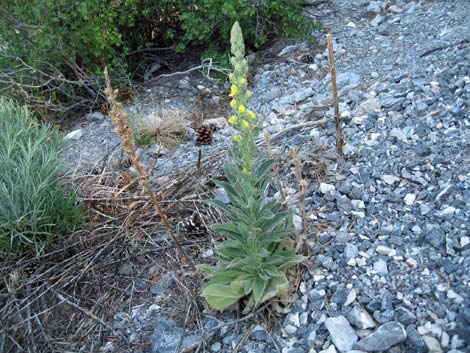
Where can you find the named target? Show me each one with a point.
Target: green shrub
(253, 258)
(52, 52)
(209, 21)
(34, 208)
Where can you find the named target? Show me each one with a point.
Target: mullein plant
(253, 258)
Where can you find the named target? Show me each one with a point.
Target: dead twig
(339, 137)
(277, 135)
(244, 339)
(445, 46)
(303, 188)
(120, 120)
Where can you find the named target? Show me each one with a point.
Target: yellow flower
(233, 103)
(243, 81)
(232, 119)
(233, 91)
(248, 94)
(251, 114)
(245, 170)
(241, 109)
(245, 123)
(236, 138)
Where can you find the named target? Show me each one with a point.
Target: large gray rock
(383, 338)
(360, 318)
(342, 334)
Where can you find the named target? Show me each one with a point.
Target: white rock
(342, 334)
(351, 25)
(436, 330)
(383, 250)
(432, 344)
(410, 199)
(358, 214)
(330, 349)
(290, 329)
(294, 319)
(464, 241)
(448, 211)
(360, 318)
(297, 223)
(423, 330)
(216, 347)
(358, 120)
(219, 123)
(326, 188)
(368, 106)
(352, 262)
(350, 298)
(451, 294)
(108, 347)
(74, 135)
(395, 9)
(411, 262)
(315, 133)
(399, 135)
(207, 253)
(390, 179)
(358, 203)
(157, 150)
(380, 267)
(445, 340)
(287, 50)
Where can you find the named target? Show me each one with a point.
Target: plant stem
(339, 138)
(119, 119)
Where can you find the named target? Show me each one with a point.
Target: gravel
(392, 273)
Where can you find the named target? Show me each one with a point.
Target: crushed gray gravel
(392, 271)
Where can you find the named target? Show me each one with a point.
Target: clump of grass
(167, 127)
(34, 207)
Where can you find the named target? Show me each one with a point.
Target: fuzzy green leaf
(276, 286)
(230, 250)
(259, 289)
(220, 296)
(263, 168)
(293, 260)
(218, 203)
(230, 230)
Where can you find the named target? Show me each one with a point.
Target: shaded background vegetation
(52, 52)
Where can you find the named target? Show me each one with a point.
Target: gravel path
(392, 273)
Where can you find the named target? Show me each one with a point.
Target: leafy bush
(253, 258)
(52, 52)
(209, 21)
(34, 208)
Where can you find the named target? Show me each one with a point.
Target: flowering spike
(236, 38)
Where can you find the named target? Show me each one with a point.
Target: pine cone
(105, 108)
(307, 58)
(204, 135)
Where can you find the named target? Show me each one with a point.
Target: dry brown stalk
(120, 120)
(339, 137)
(277, 181)
(303, 187)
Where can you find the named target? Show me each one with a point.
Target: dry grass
(66, 300)
(165, 126)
